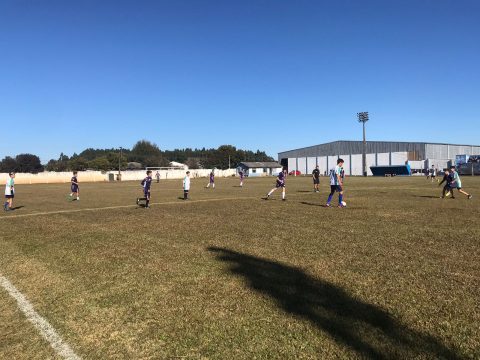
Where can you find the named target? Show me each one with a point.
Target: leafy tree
(149, 154)
(100, 163)
(8, 164)
(28, 163)
(62, 164)
(78, 163)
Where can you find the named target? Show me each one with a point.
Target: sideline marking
(178, 202)
(42, 325)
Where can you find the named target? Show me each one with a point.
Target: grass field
(231, 276)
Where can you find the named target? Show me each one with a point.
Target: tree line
(144, 153)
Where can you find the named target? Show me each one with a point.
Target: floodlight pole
(363, 118)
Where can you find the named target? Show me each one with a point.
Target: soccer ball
(344, 204)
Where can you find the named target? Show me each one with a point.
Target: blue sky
(271, 75)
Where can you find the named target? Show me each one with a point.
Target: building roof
(258, 164)
(419, 143)
(418, 150)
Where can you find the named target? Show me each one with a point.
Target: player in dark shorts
(316, 179)
(74, 187)
(240, 173)
(9, 192)
(279, 184)
(146, 184)
(336, 184)
(446, 190)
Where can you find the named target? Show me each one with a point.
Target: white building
(420, 155)
(259, 168)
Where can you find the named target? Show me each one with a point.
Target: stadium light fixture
(363, 118)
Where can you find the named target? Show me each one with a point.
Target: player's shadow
(17, 207)
(311, 204)
(427, 196)
(304, 191)
(365, 328)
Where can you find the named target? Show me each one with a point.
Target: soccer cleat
(327, 205)
(469, 197)
(138, 201)
(284, 199)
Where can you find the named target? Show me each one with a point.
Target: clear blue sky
(271, 75)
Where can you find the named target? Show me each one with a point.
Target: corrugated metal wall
(440, 151)
(378, 153)
(355, 147)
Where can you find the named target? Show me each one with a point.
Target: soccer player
(316, 179)
(454, 182)
(336, 183)
(240, 173)
(446, 191)
(282, 175)
(146, 183)
(186, 185)
(433, 173)
(74, 187)
(9, 192)
(157, 175)
(212, 180)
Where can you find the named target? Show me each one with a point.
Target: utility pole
(363, 118)
(119, 162)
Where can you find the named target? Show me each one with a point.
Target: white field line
(179, 202)
(42, 325)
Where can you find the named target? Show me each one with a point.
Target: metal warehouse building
(419, 154)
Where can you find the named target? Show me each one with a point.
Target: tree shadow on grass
(365, 328)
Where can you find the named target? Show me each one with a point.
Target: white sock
(283, 195)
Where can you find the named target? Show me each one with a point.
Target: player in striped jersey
(336, 183)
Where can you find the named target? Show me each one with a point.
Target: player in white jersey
(9, 192)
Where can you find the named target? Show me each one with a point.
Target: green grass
(229, 275)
